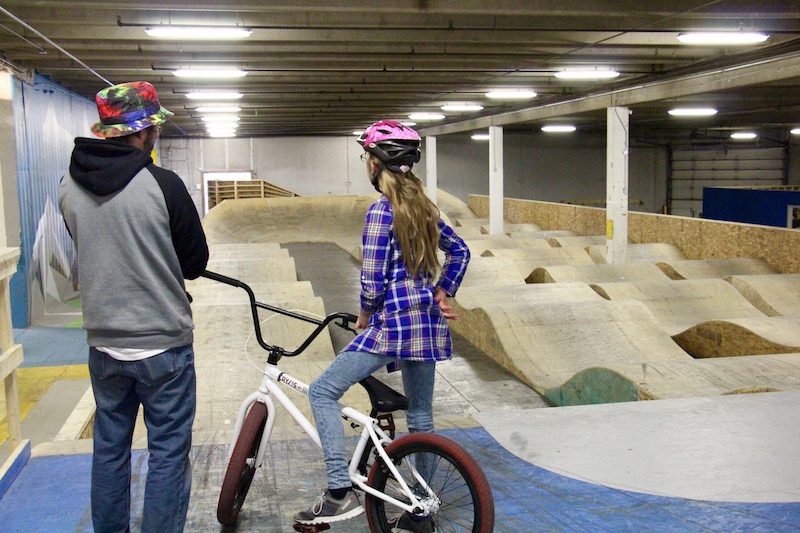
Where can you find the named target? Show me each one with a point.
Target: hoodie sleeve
(188, 237)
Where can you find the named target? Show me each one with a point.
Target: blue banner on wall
(768, 207)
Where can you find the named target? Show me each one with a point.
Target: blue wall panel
(47, 118)
(750, 206)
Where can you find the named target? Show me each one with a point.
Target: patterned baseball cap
(127, 108)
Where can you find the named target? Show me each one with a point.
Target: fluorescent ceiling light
(220, 118)
(221, 134)
(198, 32)
(218, 109)
(723, 37)
(426, 116)
(511, 94)
(408, 123)
(692, 111)
(357, 132)
(559, 128)
(213, 96)
(230, 124)
(795, 131)
(586, 73)
(462, 107)
(209, 73)
(222, 126)
(480, 137)
(743, 135)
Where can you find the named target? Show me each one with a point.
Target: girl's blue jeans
(348, 369)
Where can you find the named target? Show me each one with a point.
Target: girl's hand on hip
(363, 319)
(440, 296)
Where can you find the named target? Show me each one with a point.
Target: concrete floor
(551, 469)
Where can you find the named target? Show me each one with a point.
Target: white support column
(495, 180)
(617, 153)
(431, 178)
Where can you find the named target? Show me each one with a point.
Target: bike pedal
(310, 528)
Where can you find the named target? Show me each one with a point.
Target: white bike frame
(269, 389)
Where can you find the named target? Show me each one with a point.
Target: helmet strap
(375, 176)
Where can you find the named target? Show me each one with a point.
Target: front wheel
(465, 502)
(242, 466)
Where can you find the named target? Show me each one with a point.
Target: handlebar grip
(350, 317)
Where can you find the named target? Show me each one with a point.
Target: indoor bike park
(629, 466)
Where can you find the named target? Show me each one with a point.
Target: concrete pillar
(495, 180)
(617, 154)
(9, 198)
(430, 168)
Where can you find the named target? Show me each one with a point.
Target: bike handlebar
(276, 352)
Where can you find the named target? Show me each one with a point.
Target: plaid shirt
(406, 321)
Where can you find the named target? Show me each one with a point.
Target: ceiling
(332, 67)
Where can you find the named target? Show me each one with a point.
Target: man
(137, 235)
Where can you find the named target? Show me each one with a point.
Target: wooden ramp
(547, 234)
(551, 334)
(714, 268)
(577, 240)
(641, 253)
(708, 317)
(772, 294)
(575, 349)
(678, 305)
(595, 273)
(562, 338)
(480, 226)
(492, 271)
(280, 268)
(234, 252)
(336, 219)
(741, 336)
(526, 260)
(227, 355)
(452, 206)
(479, 244)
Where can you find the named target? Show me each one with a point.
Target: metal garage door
(691, 170)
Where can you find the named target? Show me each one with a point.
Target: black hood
(103, 167)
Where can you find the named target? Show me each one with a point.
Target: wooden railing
(219, 190)
(10, 359)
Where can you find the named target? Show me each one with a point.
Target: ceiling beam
(758, 72)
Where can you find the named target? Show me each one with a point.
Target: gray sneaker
(326, 509)
(405, 523)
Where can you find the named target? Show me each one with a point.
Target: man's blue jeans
(348, 369)
(165, 385)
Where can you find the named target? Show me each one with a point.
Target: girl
(403, 312)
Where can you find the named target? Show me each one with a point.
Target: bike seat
(384, 399)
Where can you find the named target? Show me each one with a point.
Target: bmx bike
(424, 474)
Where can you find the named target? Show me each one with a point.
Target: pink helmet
(396, 145)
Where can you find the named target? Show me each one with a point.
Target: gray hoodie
(137, 235)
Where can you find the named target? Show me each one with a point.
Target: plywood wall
(697, 238)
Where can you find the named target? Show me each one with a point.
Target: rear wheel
(241, 467)
(465, 502)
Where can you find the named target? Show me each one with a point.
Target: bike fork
(250, 400)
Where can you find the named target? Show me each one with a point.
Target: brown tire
(466, 501)
(241, 467)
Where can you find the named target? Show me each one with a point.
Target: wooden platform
(220, 190)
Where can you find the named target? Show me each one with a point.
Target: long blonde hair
(415, 220)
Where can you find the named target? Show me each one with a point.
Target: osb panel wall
(698, 238)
